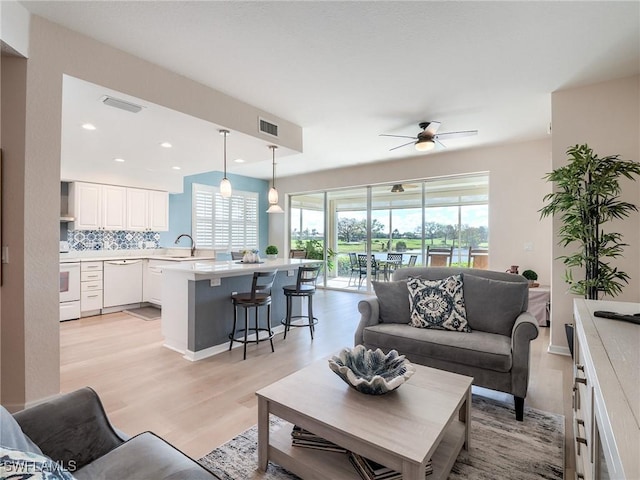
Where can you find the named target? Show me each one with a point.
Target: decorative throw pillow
(393, 300)
(438, 303)
(30, 466)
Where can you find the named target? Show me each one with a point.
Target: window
(224, 223)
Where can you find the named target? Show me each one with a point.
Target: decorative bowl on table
(371, 371)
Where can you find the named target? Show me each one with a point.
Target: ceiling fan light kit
(225, 184)
(427, 138)
(397, 188)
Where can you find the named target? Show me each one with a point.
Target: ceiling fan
(400, 187)
(426, 140)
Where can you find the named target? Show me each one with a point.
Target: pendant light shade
(225, 184)
(273, 192)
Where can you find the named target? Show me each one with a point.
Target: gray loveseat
(496, 351)
(73, 430)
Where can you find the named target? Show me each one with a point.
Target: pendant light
(225, 184)
(273, 192)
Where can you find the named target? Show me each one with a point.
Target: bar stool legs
(256, 329)
(288, 320)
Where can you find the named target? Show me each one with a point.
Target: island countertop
(232, 268)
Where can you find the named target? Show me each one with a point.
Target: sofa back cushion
(493, 300)
(494, 305)
(393, 301)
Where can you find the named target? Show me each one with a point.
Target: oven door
(69, 282)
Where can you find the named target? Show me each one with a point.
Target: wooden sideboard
(606, 392)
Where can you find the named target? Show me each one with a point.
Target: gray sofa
(73, 431)
(496, 351)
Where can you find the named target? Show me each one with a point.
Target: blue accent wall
(180, 205)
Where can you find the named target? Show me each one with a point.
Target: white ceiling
(348, 71)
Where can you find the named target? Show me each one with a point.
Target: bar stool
(305, 287)
(259, 296)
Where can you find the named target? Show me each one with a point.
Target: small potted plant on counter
(272, 252)
(531, 276)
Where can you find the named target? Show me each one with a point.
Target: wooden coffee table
(426, 418)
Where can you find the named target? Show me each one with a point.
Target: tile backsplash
(80, 240)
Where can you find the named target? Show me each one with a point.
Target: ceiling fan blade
(438, 142)
(397, 136)
(432, 128)
(400, 146)
(448, 135)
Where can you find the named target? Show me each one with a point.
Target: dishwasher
(122, 282)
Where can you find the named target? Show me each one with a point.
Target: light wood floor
(197, 406)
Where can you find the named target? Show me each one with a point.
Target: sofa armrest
(72, 428)
(524, 330)
(369, 309)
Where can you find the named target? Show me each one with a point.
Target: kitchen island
(197, 312)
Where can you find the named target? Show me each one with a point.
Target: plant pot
(272, 256)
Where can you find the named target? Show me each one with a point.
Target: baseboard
(556, 350)
(216, 349)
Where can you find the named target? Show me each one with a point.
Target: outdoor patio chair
(439, 256)
(362, 267)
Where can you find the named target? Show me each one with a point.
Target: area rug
(501, 448)
(146, 313)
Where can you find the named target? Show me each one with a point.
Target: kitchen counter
(109, 255)
(197, 312)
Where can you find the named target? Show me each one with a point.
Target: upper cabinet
(109, 207)
(147, 210)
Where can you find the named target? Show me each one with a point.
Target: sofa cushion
(479, 349)
(12, 436)
(393, 300)
(438, 303)
(493, 305)
(145, 456)
(30, 466)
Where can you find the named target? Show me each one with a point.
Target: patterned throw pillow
(438, 304)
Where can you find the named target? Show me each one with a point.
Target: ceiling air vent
(121, 104)
(267, 127)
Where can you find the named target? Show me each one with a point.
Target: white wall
(14, 26)
(606, 116)
(516, 190)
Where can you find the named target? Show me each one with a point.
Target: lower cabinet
(152, 281)
(90, 288)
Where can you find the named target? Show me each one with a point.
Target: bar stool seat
(305, 287)
(259, 296)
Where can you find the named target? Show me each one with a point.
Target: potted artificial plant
(272, 252)
(586, 198)
(531, 276)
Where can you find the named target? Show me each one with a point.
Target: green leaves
(586, 196)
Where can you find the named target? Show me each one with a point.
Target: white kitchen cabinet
(147, 210)
(90, 288)
(152, 281)
(137, 209)
(158, 211)
(97, 207)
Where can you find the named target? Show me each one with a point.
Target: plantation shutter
(225, 223)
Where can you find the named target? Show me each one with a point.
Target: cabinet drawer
(91, 276)
(90, 301)
(90, 266)
(91, 286)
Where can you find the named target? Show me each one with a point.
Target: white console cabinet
(606, 392)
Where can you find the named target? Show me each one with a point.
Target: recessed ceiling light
(120, 160)
(239, 160)
(166, 145)
(88, 126)
(176, 168)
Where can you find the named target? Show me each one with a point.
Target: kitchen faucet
(193, 244)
